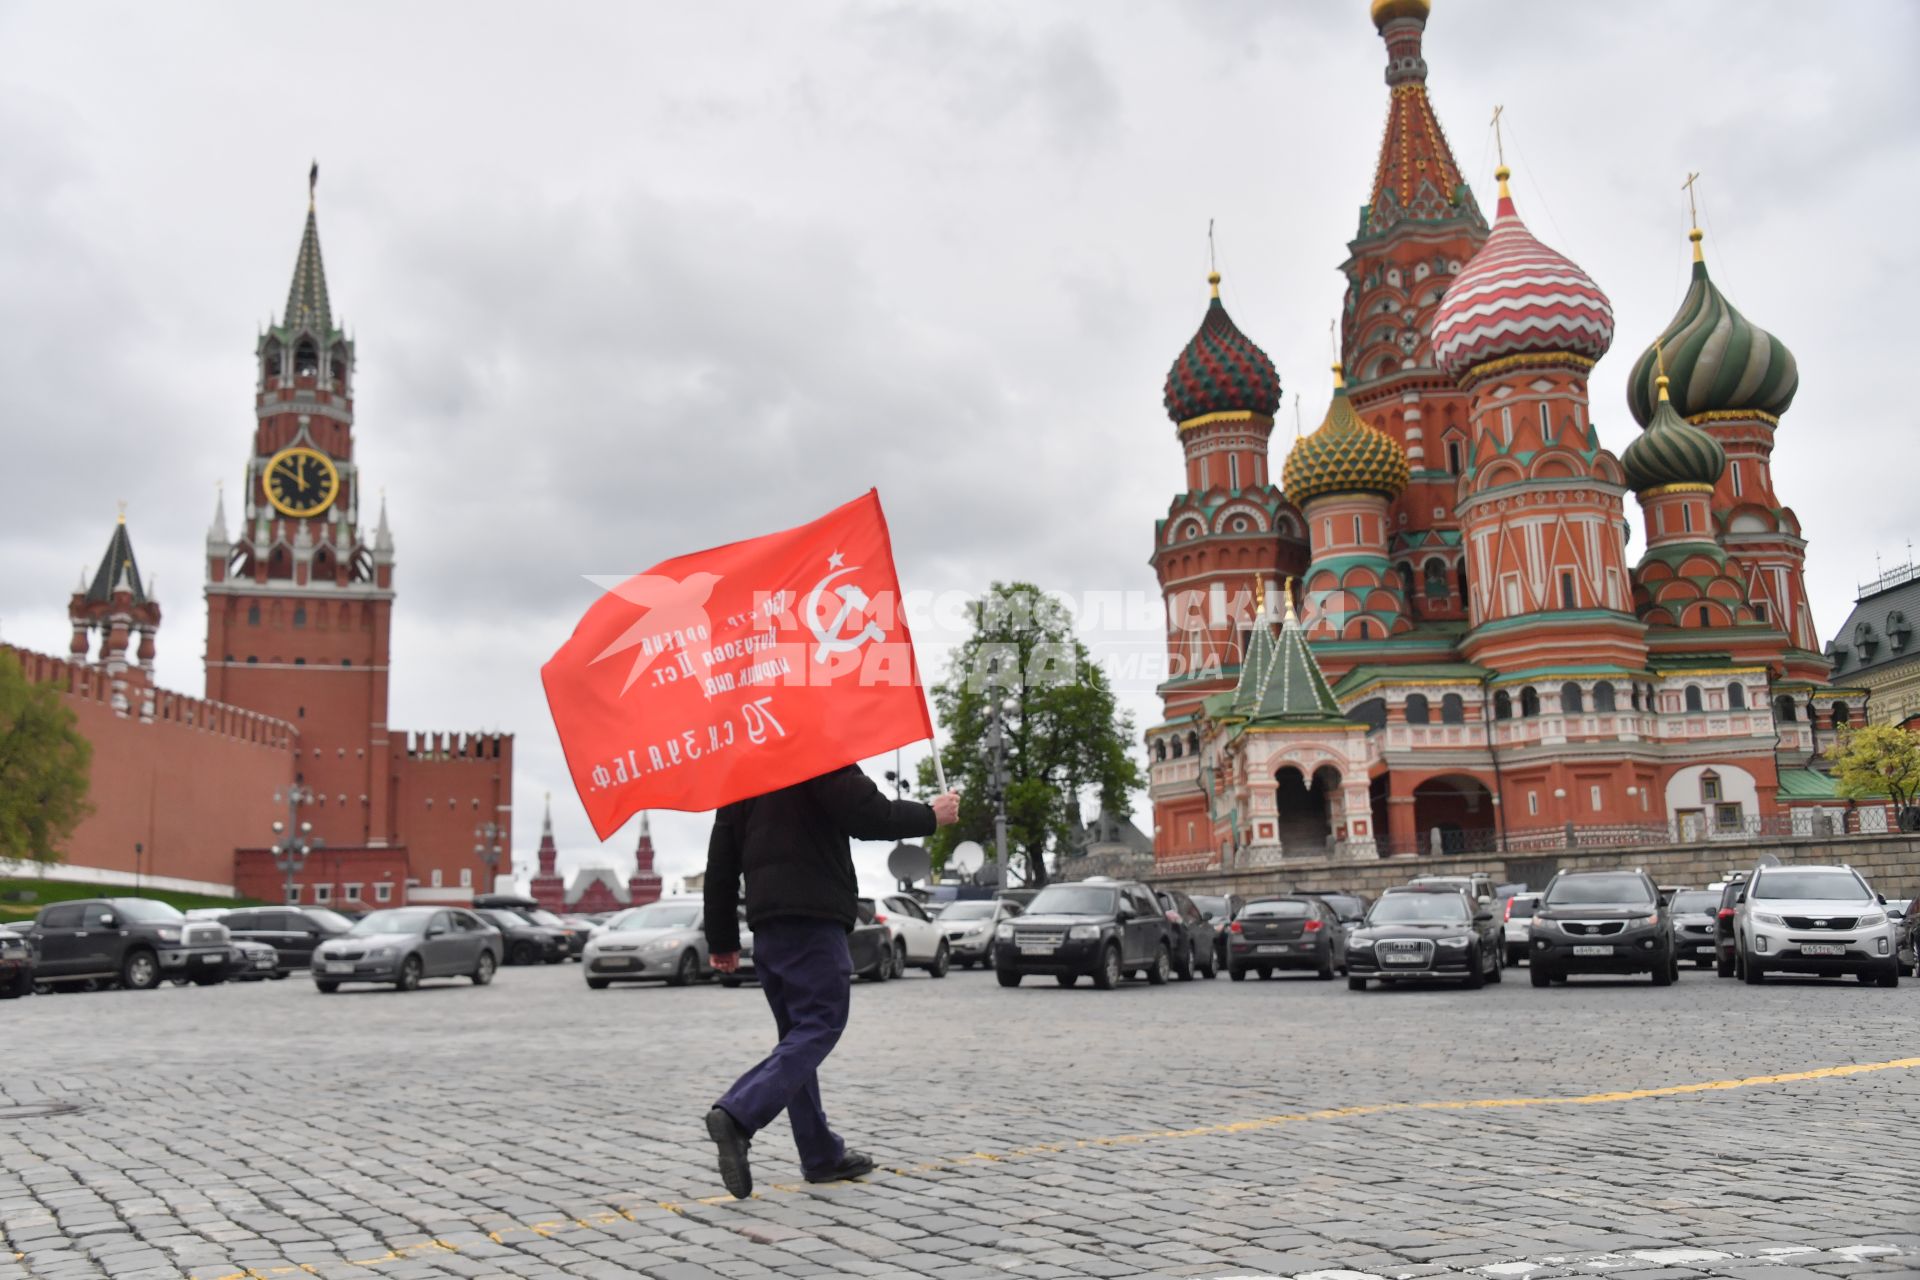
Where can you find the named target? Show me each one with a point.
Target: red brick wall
(444, 785)
(191, 786)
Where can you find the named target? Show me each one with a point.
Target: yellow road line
(549, 1227)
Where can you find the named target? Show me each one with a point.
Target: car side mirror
(1483, 917)
(1123, 915)
(1882, 897)
(436, 932)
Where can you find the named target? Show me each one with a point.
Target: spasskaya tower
(299, 616)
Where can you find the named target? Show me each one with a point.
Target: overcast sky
(630, 280)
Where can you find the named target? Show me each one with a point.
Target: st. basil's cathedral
(1430, 635)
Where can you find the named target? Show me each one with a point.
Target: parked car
(1426, 933)
(1732, 894)
(1298, 931)
(1601, 922)
(917, 941)
(969, 924)
(1907, 948)
(525, 941)
(1477, 885)
(249, 961)
(1820, 920)
(1515, 916)
(1106, 931)
(870, 943)
(1350, 908)
(664, 941)
(573, 940)
(133, 941)
(1692, 912)
(1195, 942)
(293, 932)
(16, 965)
(403, 945)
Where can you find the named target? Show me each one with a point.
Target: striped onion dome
(1518, 297)
(1221, 370)
(1344, 455)
(1671, 450)
(1717, 360)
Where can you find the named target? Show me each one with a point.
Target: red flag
(736, 671)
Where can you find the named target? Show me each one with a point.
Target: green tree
(44, 767)
(1877, 760)
(1064, 734)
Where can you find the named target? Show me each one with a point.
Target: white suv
(1816, 920)
(917, 941)
(1517, 915)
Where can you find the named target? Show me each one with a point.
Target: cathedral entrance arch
(1304, 807)
(1453, 813)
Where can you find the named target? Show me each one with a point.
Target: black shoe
(732, 1141)
(852, 1165)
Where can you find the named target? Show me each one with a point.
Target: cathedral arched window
(1529, 701)
(1461, 574)
(1704, 618)
(1453, 710)
(299, 615)
(1502, 705)
(270, 361)
(1233, 471)
(1406, 580)
(1603, 696)
(1453, 457)
(1160, 749)
(1784, 709)
(1737, 696)
(1418, 711)
(1572, 700)
(1178, 748)
(1371, 713)
(1436, 581)
(339, 373)
(1693, 697)
(306, 360)
(1546, 423)
(1193, 744)
(1842, 715)
(253, 615)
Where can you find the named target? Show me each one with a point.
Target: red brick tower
(1419, 227)
(299, 604)
(119, 605)
(548, 887)
(643, 886)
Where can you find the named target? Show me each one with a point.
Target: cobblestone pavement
(1212, 1129)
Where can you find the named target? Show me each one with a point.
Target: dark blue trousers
(807, 975)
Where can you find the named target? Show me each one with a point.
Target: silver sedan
(402, 945)
(663, 941)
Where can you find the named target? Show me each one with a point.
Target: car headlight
(167, 935)
(1455, 943)
(665, 944)
(1084, 932)
(1541, 922)
(382, 953)
(1870, 919)
(1004, 932)
(1761, 917)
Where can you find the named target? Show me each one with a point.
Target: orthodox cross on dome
(1499, 143)
(1693, 213)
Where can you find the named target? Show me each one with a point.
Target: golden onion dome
(1385, 11)
(1344, 455)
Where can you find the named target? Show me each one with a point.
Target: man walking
(802, 900)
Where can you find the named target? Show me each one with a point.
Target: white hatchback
(918, 942)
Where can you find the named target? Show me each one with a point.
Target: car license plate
(1822, 949)
(616, 962)
(1271, 946)
(338, 966)
(1593, 951)
(209, 959)
(1035, 949)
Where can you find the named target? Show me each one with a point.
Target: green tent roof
(1807, 784)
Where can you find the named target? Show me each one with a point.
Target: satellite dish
(909, 863)
(967, 857)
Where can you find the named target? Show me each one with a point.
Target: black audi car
(1425, 934)
(1601, 922)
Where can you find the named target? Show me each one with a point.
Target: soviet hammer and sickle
(853, 602)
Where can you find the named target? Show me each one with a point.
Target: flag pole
(939, 770)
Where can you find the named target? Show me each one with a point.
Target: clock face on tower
(301, 481)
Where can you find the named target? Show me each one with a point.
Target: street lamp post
(138, 850)
(996, 752)
(487, 848)
(294, 840)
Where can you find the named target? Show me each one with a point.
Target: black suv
(133, 941)
(1106, 929)
(293, 932)
(1601, 922)
(526, 942)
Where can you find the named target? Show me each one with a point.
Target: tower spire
(1416, 176)
(307, 303)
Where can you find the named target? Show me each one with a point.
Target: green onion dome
(1344, 455)
(1671, 450)
(1221, 371)
(1718, 361)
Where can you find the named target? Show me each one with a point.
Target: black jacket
(792, 847)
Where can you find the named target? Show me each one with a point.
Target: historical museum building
(594, 888)
(1428, 631)
(293, 725)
